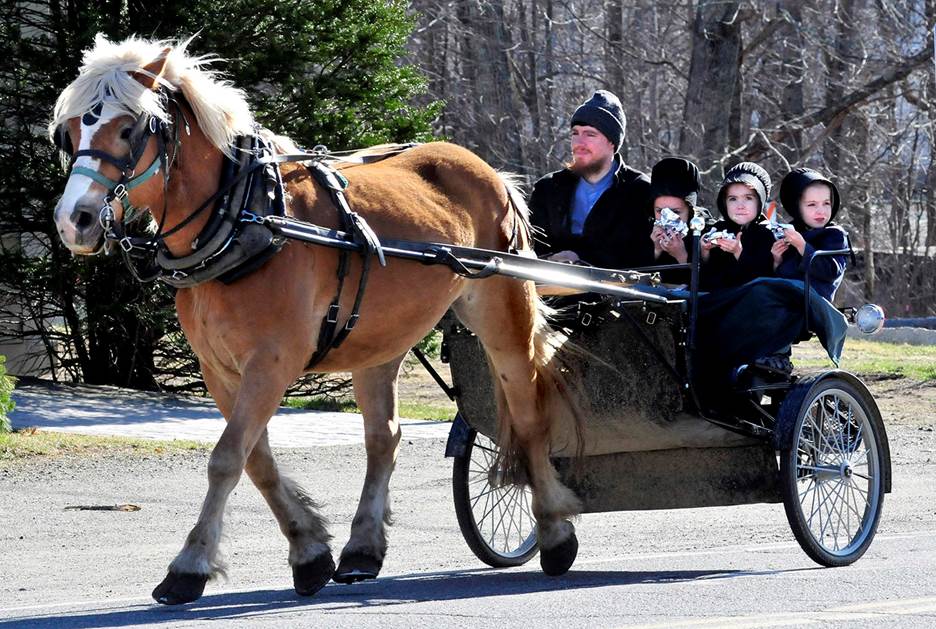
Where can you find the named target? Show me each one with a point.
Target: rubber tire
(462, 495)
(790, 489)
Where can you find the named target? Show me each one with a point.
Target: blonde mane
(106, 74)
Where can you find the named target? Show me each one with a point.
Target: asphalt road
(716, 567)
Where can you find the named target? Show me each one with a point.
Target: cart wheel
(495, 517)
(831, 473)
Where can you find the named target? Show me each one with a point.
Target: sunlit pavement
(110, 411)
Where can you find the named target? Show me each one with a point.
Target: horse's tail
(558, 394)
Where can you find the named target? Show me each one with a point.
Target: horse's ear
(155, 68)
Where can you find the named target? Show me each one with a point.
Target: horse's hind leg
(375, 390)
(504, 317)
(298, 518)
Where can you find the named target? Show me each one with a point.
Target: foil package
(671, 224)
(714, 235)
(777, 229)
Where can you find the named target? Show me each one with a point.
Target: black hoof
(357, 566)
(176, 588)
(309, 578)
(557, 561)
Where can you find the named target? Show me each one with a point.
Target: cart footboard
(673, 479)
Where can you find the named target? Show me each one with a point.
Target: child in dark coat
(812, 201)
(674, 186)
(734, 260)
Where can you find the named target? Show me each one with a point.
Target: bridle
(145, 127)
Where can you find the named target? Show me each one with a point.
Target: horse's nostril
(83, 220)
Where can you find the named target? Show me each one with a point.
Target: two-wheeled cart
(815, 442)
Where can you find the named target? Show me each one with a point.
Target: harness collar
(235, 240)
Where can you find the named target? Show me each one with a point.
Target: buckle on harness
(586, 319)
(351, 322)
(651, 317)
(126, 244)
(332, 315)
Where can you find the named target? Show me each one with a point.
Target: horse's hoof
(557, 561)
(357, 566)
(309, 578)
(178, 588)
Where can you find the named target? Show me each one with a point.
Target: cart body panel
(630, 400)
(642, 448)
(678, 478)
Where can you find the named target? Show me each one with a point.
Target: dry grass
(32, 443)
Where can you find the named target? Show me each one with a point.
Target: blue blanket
(763, 317)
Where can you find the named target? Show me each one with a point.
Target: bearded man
(595, 210)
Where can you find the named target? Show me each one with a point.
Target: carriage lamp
(869, 319)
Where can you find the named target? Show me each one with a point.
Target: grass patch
(31, 443)
(871, 358)
(322, 404)
(434, 412)
(408, 410)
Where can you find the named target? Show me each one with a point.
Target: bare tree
(845, 86)
(714, 80)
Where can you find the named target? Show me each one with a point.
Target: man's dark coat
(616, 234)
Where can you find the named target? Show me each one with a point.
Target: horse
(150, 129)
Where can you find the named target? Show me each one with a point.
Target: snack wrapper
(713, 235)
(671, 224)
(775, 227)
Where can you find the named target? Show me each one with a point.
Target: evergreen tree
(322, 71)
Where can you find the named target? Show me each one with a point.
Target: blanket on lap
(763, 317)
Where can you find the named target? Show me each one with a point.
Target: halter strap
(111, 184)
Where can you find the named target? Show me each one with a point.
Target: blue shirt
(586, 194)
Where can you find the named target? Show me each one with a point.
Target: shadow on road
(385, 591)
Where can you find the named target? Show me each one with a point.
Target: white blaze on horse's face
(77, 212)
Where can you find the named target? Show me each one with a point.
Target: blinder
(144, 126)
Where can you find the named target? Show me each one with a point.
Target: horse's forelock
(221, 110)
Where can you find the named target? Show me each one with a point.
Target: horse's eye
(125, 133)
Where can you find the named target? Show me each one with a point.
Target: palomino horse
(254, 336)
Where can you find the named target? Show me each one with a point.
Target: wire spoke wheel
(833, 484)
(495, 513)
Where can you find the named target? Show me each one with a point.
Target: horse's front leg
(256, 400)
(309, 553)
(375, 390)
